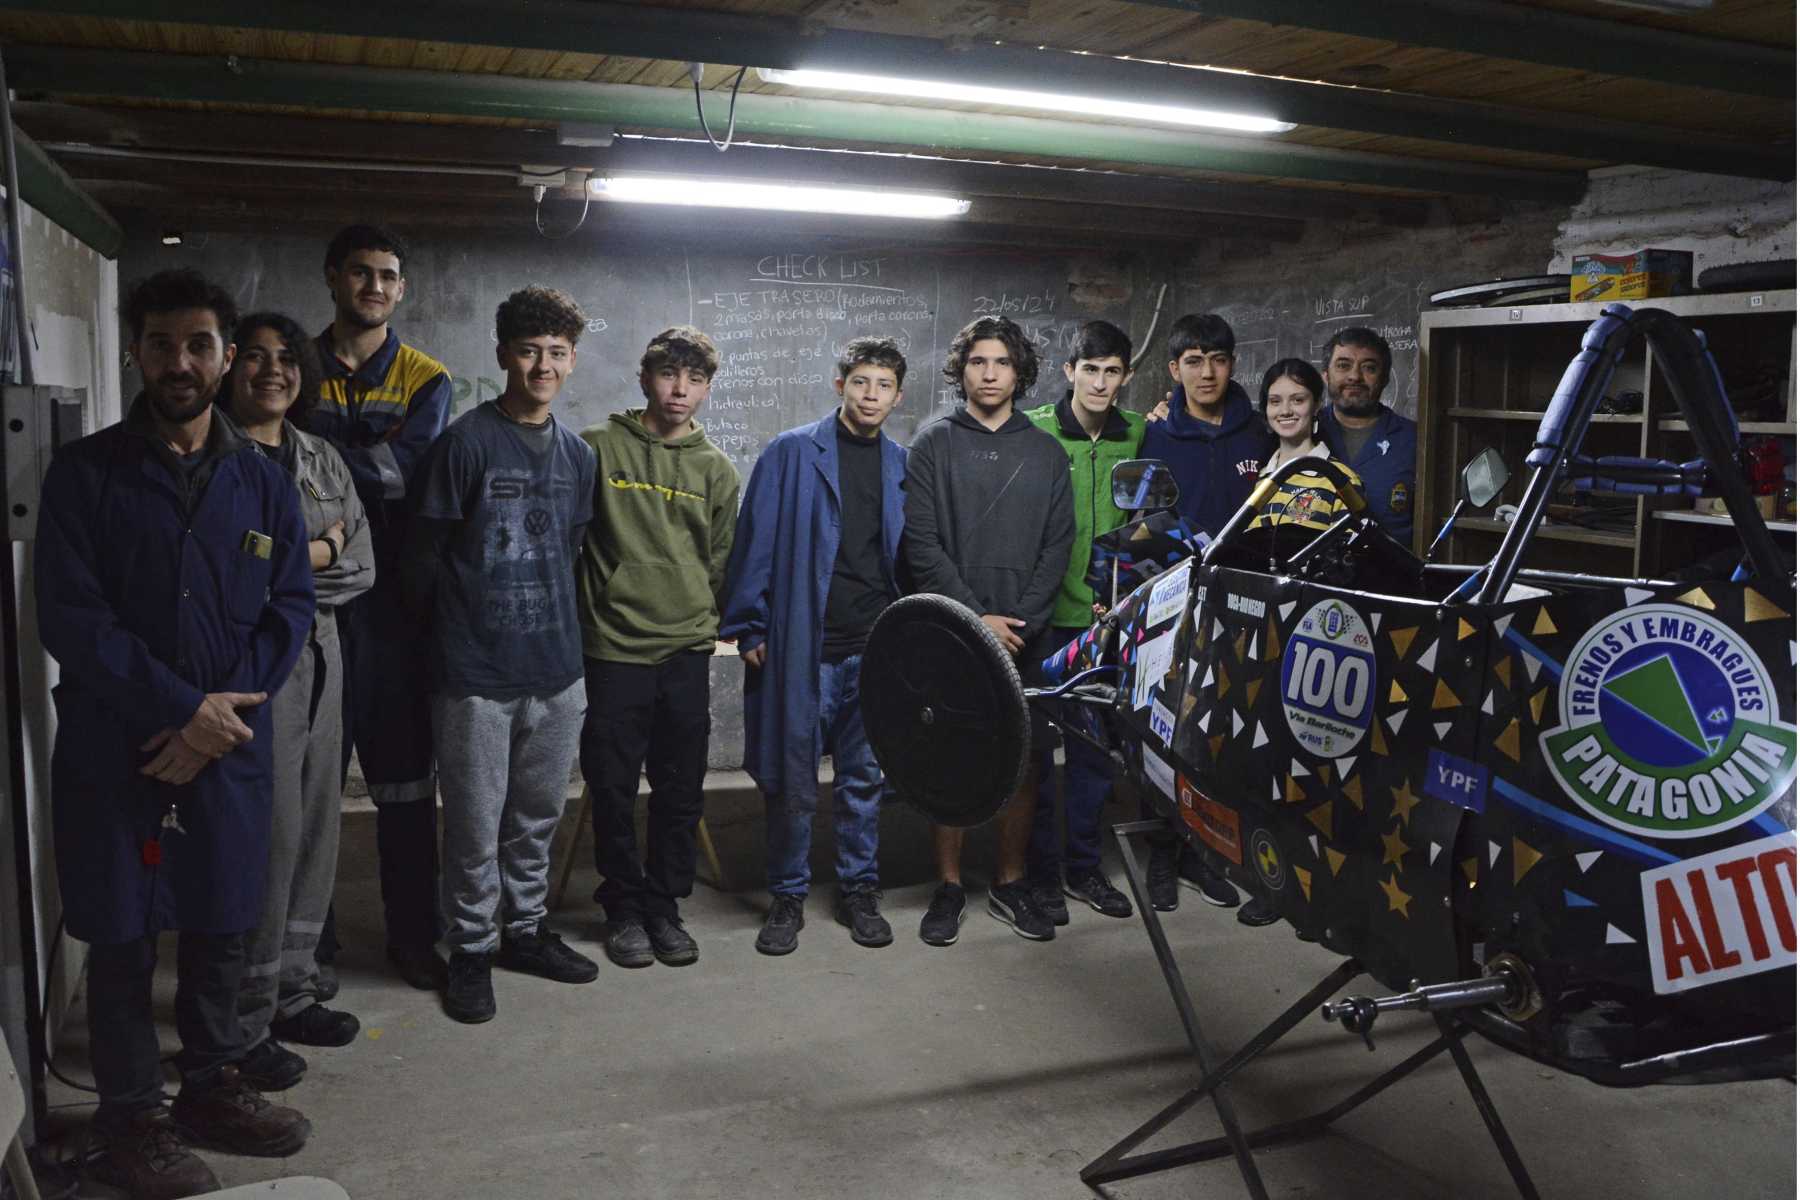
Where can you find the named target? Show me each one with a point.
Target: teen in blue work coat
(789, 592)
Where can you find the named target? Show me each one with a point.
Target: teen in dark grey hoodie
(989, 522)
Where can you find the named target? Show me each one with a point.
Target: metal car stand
(1357, 1015)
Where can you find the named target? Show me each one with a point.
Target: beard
(347, 315)
(179, 410)
(1359, 403)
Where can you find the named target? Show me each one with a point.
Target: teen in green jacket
(1096, 434)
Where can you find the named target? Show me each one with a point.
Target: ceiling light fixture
(1093, 106)
(779, 197)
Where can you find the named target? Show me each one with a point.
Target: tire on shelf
(944, 710)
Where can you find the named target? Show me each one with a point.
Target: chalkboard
(779, 311)
(1295, 319)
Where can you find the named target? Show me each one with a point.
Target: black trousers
(122, 1029)
(652, 720)
(387, 721)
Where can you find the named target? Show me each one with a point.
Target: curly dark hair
(176, 290)
(1367, 339)
(352, 238)
(681, 346)
(877, 352)
(296, 339)
(539, 312)
(1018, 347)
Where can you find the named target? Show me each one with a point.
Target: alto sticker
(1159, 773)
(1162, 721)
(1328, 679)
(1669, 727)
(1153, 659)
(1168, 594)
(1216, 824)
(1456, 780)
(1722, 915)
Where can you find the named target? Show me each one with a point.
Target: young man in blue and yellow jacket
(1096, 434)
(382, 403)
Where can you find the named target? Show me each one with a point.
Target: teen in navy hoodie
(1213, 439)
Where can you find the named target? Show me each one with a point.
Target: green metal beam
(602, 27)
(1530, 34)
(48, 188)
(252, 81)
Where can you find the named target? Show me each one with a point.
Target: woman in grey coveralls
(274, 380)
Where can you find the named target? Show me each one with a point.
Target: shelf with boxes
(1486, 374)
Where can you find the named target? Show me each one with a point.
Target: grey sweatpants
(280, 976)
(503, 770)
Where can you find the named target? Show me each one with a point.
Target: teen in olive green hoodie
(647, 588)
(1096, 434)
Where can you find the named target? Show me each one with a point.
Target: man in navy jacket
(174, 590)
(1376, 442)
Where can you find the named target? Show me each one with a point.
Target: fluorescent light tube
(781, 197)
(1122, 110)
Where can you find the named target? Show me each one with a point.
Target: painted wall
(1722, 220)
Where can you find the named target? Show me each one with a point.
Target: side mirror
(1144, 483)
(1483, 478)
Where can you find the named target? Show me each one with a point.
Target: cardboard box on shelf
(1715, 506)
(1637, 276)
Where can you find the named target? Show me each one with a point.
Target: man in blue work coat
(812, 566)
(174, 591)
(1376, 442)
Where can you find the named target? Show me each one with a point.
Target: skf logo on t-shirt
(1249, 467)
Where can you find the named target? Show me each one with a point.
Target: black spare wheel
(944, 710)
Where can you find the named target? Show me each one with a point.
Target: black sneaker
(469, 996)
(1010, 904)
(1049, 900)
(1257, 913)
(271, 1067)
(626, 942)
(316, 1025)
(542, 953)
(781, 928)
(1095, 890)
(1165, 896)
(670, 942)
(943, 918)
(859, 910)
(1212, 886)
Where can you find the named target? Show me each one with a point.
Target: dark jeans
(122, 1030)
(652, 720)
(855, 789)
(387, 721)
(1087, 778)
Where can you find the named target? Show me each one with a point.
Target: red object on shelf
(1764, 454)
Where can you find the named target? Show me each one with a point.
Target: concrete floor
(992, 1069)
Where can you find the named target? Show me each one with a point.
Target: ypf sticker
(1669, 727)
(1328, 679)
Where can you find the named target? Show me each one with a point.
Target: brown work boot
(144, 1156)
(228, 1114)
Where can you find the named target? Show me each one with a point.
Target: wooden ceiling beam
(683, 34)
(270, 82)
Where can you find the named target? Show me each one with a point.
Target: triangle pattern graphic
(1428, 660)
(1443, 729)
(1618, 937)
